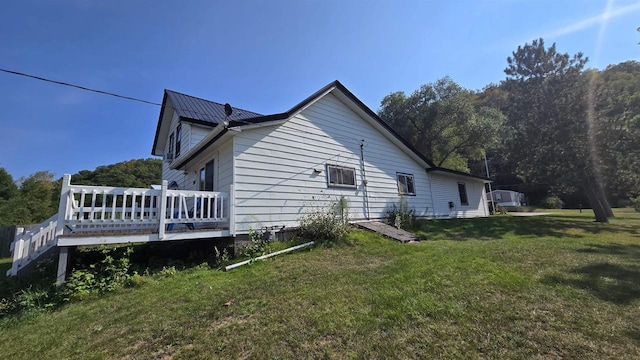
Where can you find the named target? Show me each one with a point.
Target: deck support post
(62, 265)
(163, 209)
(232, 210)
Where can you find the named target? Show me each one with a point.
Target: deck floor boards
(389, 231)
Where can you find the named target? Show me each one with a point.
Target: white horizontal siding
(222, 155)
(196, 134)
(168, 174)
(445, 189)
(274, 168)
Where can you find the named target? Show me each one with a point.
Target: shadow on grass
(497, 227)
(628, 252)
(609, 282)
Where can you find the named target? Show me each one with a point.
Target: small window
(406, 185)
(206, 177)
(171, 143)
(178, 139)
(340, 176)
(462, 190)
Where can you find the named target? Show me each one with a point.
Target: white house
(508, 198)
(226, 171)
(282, 165)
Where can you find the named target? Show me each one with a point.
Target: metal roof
(202, 110)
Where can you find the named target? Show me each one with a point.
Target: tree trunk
(603, 199)
(595, 203)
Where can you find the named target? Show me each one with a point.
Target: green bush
(108, 270)
(636, 203)
(326, 225)
(552, 202)
(400, 215)
(257, 247)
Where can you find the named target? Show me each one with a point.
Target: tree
(444, 122)
(552, 122)
(37, 194)
(8, 188)
(617, 111)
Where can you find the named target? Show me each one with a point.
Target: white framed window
(462, 190)
(406, 184)
(171, 144)
(178, 139)
(341, 176)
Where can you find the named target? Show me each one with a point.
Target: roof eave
(459, 173)
(155, 140)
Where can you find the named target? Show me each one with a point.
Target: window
(406, 185)
(462, 190)
(170, 152)
(178, 139)
(206, 177)
(340, 176)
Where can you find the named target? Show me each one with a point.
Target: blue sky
(263, 56)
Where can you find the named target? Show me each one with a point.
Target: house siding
(168, 174)
(445, 189)
(196, 134)
(274, 168)
(222, 155)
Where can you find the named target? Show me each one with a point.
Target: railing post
(17, 251)
(232, 210)
(163, 209)
(62, 207)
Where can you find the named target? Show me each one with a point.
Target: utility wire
(79, 87)
(153, 103)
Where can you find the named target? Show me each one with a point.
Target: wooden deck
(95, 215)
(389, 231)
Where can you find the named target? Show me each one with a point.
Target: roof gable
(192, 109)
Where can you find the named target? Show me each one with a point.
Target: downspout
(433, 202)
(364, 181)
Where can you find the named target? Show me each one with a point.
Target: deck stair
(389, 231)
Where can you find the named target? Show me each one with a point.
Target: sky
(263, 56)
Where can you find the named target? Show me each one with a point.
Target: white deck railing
(99, 208)
(102, 211)
(29, 245)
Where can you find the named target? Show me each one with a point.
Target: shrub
(326, 225)
(400, 215)
(109, 271)
(636, 203)
(257, 247)
(552, 202)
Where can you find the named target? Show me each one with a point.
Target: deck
(97, 215)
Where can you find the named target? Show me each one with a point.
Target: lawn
(558, 286)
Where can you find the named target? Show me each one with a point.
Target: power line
(79, 87)
(154, 103)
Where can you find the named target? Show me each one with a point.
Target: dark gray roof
(201, 110)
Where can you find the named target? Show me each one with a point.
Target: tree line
(35, 198)
(552, 127)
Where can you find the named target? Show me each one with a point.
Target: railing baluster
(104, 204)
(94, 194)
(123, 214)
(81, 213)
(142, 206)
(113, 207)
(172, 214)
(133, 205)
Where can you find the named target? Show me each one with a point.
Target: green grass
(558, 286)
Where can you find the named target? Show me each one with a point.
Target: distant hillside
(132, 173)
